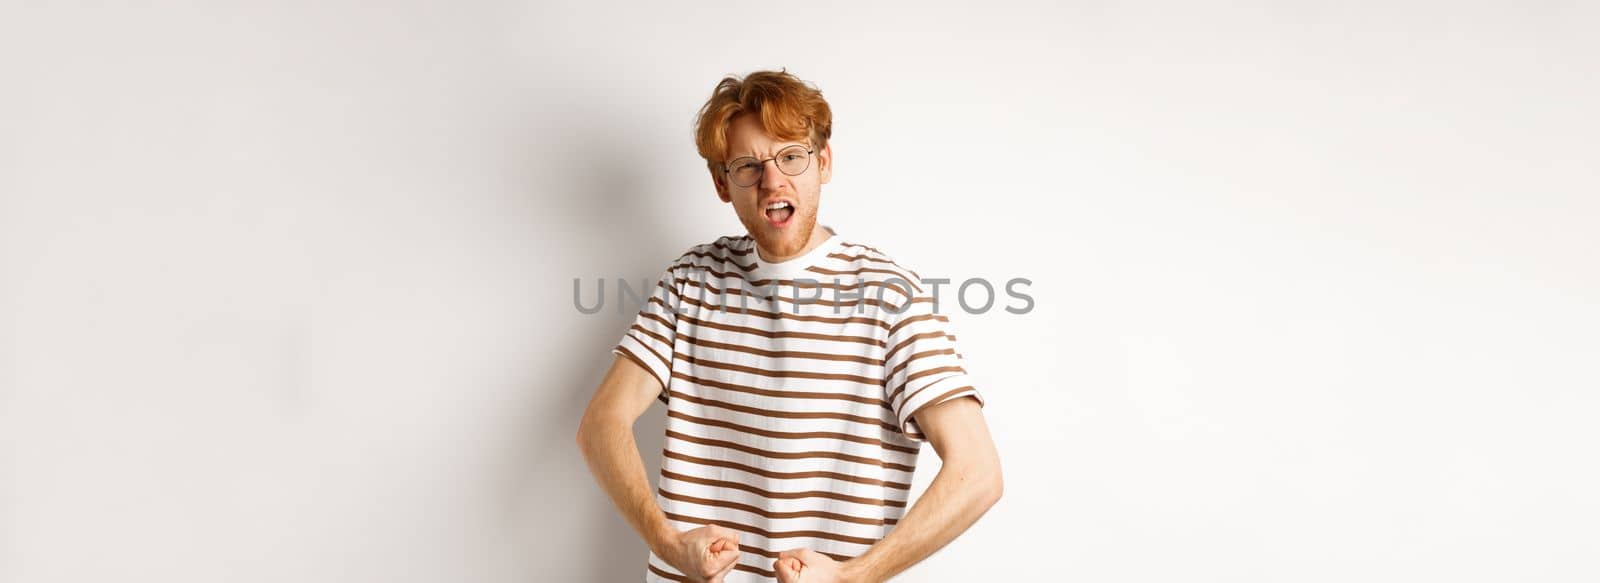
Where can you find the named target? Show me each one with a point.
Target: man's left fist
(796, 565)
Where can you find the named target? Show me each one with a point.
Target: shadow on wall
(608, 210)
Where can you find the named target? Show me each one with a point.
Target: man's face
(780, 235)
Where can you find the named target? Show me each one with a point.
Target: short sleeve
(648, 342)
(921, 364)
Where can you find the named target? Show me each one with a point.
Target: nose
(771, 177)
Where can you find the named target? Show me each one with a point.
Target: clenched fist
(807, 566)
(704, 554)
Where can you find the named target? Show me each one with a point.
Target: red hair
(786, 107)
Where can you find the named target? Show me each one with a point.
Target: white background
(287, 287)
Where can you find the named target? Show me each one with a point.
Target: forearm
(613, 458)
(958, 496)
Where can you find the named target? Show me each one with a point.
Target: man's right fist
(704, 554)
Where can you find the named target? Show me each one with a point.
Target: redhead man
(801, 372)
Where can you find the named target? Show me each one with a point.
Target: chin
(786, 242)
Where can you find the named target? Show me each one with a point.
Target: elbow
(981, 482)
(585, 429)
(990, 485)
(993, 488)
(595, 430)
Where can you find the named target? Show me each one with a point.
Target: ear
(718, 182)
(825, 163)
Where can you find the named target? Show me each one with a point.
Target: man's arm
(605, 436)
(967, 485)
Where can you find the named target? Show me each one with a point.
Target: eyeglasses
(747, 170)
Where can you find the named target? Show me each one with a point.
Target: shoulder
(869, 264)
(728, 253)
(869, 257)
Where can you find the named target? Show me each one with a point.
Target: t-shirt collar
(796, 267)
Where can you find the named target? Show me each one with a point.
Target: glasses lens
(744, 171)
(793, 160)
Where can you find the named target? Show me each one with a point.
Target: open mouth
(779, 213)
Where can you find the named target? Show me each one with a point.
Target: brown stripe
(774, 554)
(740, 252)
(658, 337)
(647, 347)
(849, 244)
(769, 513)
(884, 258)
(920, 374)
(657, 317)
(860, 270)
(713, 257)
(714, 290)
(790, 434)
(779, 334)
(757, 570)
(899, 273)
(780, 315)
(664, 307)
(934, 334)
(914, 357)
(773, 534)
(781, 353)
(914, 393)
(915, 319)
(782, 495)
(781, 414)
(765, 284)
(783, 394)
(672, 291)
(779, 374)
(798, 283)
(666, 575)
(733, 465)
(706, 441)
(805, 301)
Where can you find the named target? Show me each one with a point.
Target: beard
(785, 242)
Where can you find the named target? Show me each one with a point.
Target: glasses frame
(727, 168)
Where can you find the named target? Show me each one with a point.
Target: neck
(818, 236)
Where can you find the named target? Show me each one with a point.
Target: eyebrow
(780, 149)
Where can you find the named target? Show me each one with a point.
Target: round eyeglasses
(747, 170)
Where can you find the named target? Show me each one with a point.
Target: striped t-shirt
(790, 389)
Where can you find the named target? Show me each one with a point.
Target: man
(800, 373)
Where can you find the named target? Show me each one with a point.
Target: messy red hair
(786, 107)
